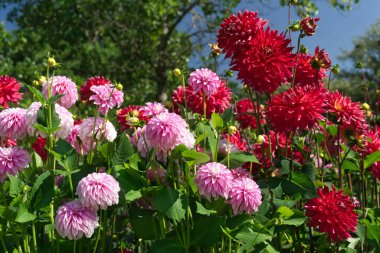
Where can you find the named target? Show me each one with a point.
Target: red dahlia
(305, 74)
(39, 147)
(9, 91)
(267, 61)
(246, 114)
(321, 59)
(217, 102)
(308, 25)
(344, 112)
(334, 214)
(86, 92)
(296, 109)
(130, 117)
(236, 31)
(372, 144)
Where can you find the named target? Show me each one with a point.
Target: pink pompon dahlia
(344, 112)
(152, 109)
(64, 86)
(236, 31)
(74, 140)
(85, 89)
(214, 180)
(98, 190)
(204, 80)
(333, 213)
(9, 91)
(217, 102)
(12, 161)
(245, 195)
(298, 108)
(74, 220)
(306, 74)
(267, 61)
(106, 97)
(66, 121)
(13, 123)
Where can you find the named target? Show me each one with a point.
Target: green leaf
(54, 98)
(171, 203)
(14, 188)
(285, 167)
(42, 191)
(227, 115)
(216, 121)
(144, 223)
(124, 150)
(373, 232)
(203, 210)
(207, 231)
(333, 130)
(38, 94)
(349, 165)
(284, 202)
(297, 219)
(237, 159)
(130, 179)
(284, 212)
(165, 246)
(371, 159)
(23, 215)
(195, 157)
(299, 183)
(132, 195)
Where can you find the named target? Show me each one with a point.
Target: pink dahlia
(245, 195)
(266, 63)
(74, 220)
(12, 161)
(236, 31)
(130, 116)
(246, 114)
(306, 74)
(98, 190)
(344, 112)
(39, 147)
(152, 109)
(214, 179)
(106, 97)
(298, 108)
(308, 25)
(85, 89)
(204, 80)
(64, 86)
(333, 213)
(217, 102)
(13, 123)
(9, 91)
(66, 121)
(74, 140)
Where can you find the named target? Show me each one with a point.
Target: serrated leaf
(237, 159)
(132, 195)
(124, 150)
(14, 187)
(23, 215)
(42, 191)
(38, 94)
(171, 203)
(207, 231)
(203, 210)
(195, 157)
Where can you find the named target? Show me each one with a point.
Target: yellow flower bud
(366, 107)
(135, 113)
(177, 72)
(133, 120)
(52, 62)
(35, 83)
(119, 86)
(232, 129)
(42, 80)
(260, 139)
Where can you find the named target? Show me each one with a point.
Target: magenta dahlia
(321, 59)
(306, 74)
(13, 123)
(63, 86)
(85, 89)
(333, 213)
(106, 97)
(152, 109)
(214, 180)
(266, 63)
(130, 116)
(245, 195)
(12, 161)
(296, 109)
(9, 91)
(204, 80)
(98, 190)
(246, 114)
(74, 220)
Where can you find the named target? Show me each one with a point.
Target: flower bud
(228, 73)
(308, 25)
(36, 83)
(303, 49)
(260, 139)
(320, 59)
(119, 86)
(215, 49)
(292, 2)
(366, 107)
(232, 130)
(52, 62)
(359, 65)
(294, 27)
(335, 69)
(135, 113)
(133, 120)
(42, 80)
(177, 72)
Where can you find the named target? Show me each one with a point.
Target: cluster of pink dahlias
(216, 180)
(78, 217)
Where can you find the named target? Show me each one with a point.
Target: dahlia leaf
(203, 210)
(54, 99)
(144, 223)
(23, 215)
(37, 93)
(171, 203)
(166, 245)
(42, 191)
(299, 183)
(284, 212)
(373, 232)
(227, 115)
(130, 179)
(349, 165)
(124, 150)
(237, 159)
(14, 189)
(371, 159)
(207, 231)
(216, 121)
(195, 157)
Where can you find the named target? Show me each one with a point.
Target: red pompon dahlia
(86, 92)
(334, 214)
(246, 114)
(344, 112)
(130, 117)
(217, 102)
(267, 61)
(296, 109)
(236, 31)
(9, 91)
(308, 25)
(39, 147)
(306, 74)
(321, 59)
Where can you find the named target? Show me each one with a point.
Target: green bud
(177, 72)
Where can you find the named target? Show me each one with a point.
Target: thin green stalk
(104, 225)
(34, 239)
(184, 95)
(98, 234)
(25, 240)
(228, 150)
(3, 243)
(15, 239)
(75, 246)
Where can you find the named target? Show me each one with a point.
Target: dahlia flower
(106, 97)
(298, 108)
(204, 80)
(245, 196)
(217, 102)
(152, 109)
(153, 174)
(39, 147)
(12, 161)
(306, 74)
(98, 190)
(130, 116)
(9, 91)
(246, 114)
(267, 61)
(66, 121)
(321, 59)
(308, 25)
(214, 180)
(13, 123)
(64, 86)
(74, 141)
(333, 213)
(73, 221)
(85, 89)
(345, 112)
(236, 31)
(372, 144)
(225, 147)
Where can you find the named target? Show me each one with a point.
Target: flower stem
(34, 237)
